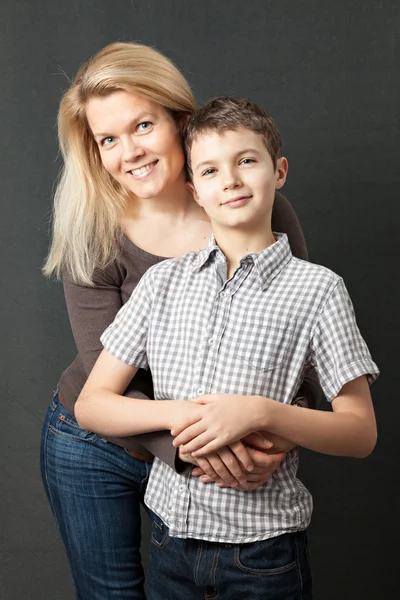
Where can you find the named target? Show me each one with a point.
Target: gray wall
(327, 72)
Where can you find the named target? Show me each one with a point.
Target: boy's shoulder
(311, 276)
(310, 269)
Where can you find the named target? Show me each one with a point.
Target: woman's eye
(144, 126)
(107, 140)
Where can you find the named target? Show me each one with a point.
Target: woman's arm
(91, 310)
(284, 220)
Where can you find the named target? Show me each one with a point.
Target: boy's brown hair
(223, 113)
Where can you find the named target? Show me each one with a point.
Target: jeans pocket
(267, 557)
(159, 532)
(63, 424)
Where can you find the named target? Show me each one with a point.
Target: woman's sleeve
(284, 220)
(90, 311)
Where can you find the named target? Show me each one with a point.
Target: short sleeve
(338, 350)
(126, 337)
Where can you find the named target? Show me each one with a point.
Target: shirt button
(222, 294)
(200, 391)
(211, 341)
(182, 489)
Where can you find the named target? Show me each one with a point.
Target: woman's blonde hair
(88, 202)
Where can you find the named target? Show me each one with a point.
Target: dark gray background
(328, 73)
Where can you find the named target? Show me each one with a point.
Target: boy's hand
(222, 420)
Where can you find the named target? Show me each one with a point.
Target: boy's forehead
(208, 144)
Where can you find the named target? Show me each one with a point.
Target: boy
(234, 328)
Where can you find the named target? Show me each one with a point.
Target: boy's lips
(237, 201)
(143, 171)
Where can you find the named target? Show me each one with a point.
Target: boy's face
(234, 179)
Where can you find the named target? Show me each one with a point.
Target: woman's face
(138, 141)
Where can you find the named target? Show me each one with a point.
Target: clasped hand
(213, 433)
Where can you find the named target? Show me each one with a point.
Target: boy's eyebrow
(137, 119)
(213, 160)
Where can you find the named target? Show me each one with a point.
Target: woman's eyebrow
(135, 121)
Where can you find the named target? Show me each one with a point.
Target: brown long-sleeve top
(92, 309)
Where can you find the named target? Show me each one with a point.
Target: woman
(121, 205)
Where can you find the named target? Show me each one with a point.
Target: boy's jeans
(274, 569)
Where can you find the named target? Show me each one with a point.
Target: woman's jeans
(95, 490)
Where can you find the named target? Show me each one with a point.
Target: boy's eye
(144, 126)
(209, 171)
(247, 161)
(107, 140)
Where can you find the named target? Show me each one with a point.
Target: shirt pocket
(266, 342)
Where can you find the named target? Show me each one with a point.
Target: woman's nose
(131, 150)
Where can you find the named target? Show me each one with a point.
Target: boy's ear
(282, 167)
(192, 190)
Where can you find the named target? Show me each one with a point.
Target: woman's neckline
(132, 248)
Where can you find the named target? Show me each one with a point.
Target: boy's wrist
(264, 415)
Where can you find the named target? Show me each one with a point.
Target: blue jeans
(274, 569)
(95, 490)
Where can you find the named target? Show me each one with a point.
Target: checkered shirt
(257, 333)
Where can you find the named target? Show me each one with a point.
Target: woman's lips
(144, 171)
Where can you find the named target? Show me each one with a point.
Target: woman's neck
(175, 204)
(168, 225)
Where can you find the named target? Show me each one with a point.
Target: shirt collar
(269, 262)
(204, 255)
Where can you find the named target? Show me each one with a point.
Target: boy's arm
(348, 431)
(341, 357)
(102, 408)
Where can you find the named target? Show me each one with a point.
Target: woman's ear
(182, 120)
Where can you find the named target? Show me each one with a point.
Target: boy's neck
(236, 243)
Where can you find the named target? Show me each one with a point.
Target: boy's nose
(231, 180)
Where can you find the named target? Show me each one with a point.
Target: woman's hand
(222, 467)
(225, 470)
(264, 466)
(269, 442)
